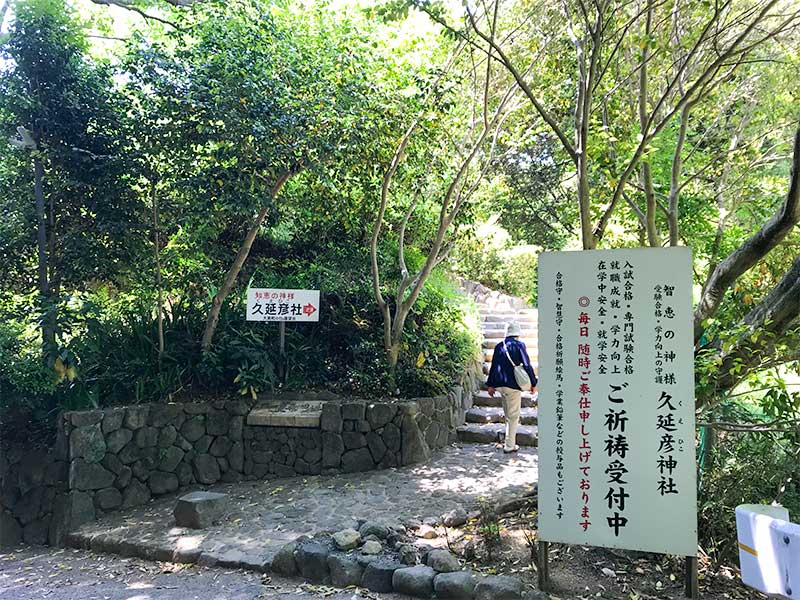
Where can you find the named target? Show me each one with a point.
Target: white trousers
(512, 399)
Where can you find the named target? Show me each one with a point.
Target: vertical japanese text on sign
(616, 414)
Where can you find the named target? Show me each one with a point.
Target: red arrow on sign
(309, 309)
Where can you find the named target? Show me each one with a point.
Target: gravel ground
(42, 572)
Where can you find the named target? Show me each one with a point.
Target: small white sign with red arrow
(267, 304)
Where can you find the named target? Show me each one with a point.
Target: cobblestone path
(265, 515)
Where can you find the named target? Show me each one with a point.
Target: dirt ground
(577, 573)
(584, 573)
(42, 572)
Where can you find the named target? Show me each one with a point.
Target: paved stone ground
(265, 515)
(40, 572)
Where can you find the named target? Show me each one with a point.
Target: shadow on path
(264, 515)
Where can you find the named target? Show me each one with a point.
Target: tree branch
(568, 147)
(748, 254)
(131, 7)
(773, 316)
(777, 425)
(700, 84)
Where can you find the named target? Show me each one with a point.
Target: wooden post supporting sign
(691, 588)
(543, 549)
(282, 365)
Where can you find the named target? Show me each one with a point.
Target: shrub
(488, 527)
(756, 467)
(441, 338)
(28, 386)
(491, 258)
(109, 343)
(24, 377)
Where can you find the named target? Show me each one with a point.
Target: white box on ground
(769, 549)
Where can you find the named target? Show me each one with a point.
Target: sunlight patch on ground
(505, 477)
(189, 542)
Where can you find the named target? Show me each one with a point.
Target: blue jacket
(501, 373)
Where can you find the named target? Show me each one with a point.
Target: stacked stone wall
(121, 457)
(352, 437)
(33, 485)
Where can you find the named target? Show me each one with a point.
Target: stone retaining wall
(32, 490)
(120, 457)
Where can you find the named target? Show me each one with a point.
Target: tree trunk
(581, 138)
(157, 255)
(233, 272)
(393, 354)
(646, 173)
(653, 238)
(585, 202)
(48, 327)
(674, 182)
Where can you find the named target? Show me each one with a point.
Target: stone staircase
(485, 422)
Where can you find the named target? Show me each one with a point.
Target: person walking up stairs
(485, 421)
(510, 374)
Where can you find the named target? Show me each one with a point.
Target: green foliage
(198, 121)
(489, 527)
(343, 351)
(493, 260)
(68, 105)
(441, 337)
(242, 350)
(532, 206)
(24, 375)
(745, 468)
(117, 351)
(111, 344)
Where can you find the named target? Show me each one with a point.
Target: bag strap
(505, 349)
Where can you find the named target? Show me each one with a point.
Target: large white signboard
(264, 304)
(616, 400)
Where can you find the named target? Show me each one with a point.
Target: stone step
(501, 318)
(495, 337)
(483, 398)
(487, 364)
(500, 331)
(483, 386)
(500, 326)
(489, 414)
(504, 306)
(500, 310)
(492, 433)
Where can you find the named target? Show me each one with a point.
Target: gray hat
(513, 329)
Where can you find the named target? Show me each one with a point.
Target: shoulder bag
(520, 374)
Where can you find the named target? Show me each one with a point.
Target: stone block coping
(287, 414)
